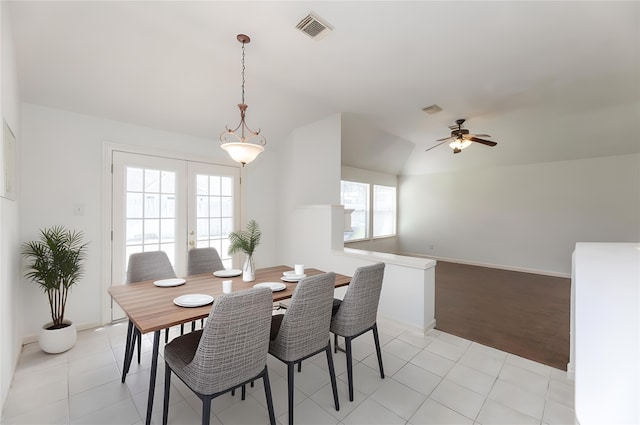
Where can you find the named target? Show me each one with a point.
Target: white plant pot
(248, 271)
(55, 341)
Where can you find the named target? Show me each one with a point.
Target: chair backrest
(305, 326)
(359, 308)
(149, 265)
(203, 260)
(234, 343)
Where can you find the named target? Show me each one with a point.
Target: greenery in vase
(245, 240)
(55, 263)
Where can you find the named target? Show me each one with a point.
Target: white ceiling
(548, 80)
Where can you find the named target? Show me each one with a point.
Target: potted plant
(246, 241)
(55, 263)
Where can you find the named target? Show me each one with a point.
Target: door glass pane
(152, 205)
(227, 186)
(152, 180)
(202, 206)
(202, 225)
(215, 185)
(202, 185)
(134, 205)
(168, 182)
(167, 206)
(134, 179)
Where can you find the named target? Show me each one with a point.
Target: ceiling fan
(460, 138)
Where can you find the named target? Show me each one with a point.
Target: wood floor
(522, 313)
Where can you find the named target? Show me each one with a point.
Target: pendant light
(237, 141)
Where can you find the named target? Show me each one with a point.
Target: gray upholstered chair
(144, 266)
(203, 260)
(357, 312)
(229, 352)
(303, 331)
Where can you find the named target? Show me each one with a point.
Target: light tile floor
(434, 379)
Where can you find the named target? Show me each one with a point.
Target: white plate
(169, 282)
(227, 273)
(274, 286)
(293, 275)
(193, 300)
(294, 278)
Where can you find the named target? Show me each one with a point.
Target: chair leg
(166, 335)
(267, 394)
(335, 343)
(206, 411)
(193, 326)
(299, 366)
(347, 342)
(332, 374)
(181, 328)
(167, 388)
(244, 392)
(377, 341)
(290, 373)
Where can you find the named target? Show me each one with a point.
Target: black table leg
(152, 377)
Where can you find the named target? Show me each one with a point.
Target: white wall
(606, 301)
(63, 166)
(10, 270)
(525, 217)
(309, 173)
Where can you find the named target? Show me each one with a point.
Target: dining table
(150, 306)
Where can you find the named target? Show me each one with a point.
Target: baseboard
(30, 339)
(410, 327)
(491, 266)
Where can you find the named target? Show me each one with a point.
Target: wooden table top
(151, 307)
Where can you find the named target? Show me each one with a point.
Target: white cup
(299, 269)
(226, 286)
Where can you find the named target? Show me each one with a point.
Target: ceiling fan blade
(445, 138)
(480, 135)
(484, 142)
(435, 146)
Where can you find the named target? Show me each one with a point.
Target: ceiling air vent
(433, 109)
(314, 27)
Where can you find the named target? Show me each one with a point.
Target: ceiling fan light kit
(461, 139)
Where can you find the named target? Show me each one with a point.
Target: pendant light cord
(243, 72)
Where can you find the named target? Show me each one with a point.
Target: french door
(171, 205)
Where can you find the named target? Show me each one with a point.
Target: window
(374, 210)
(384, 211)
(355, 196)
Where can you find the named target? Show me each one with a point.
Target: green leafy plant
(245, 240)
(55, 263)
